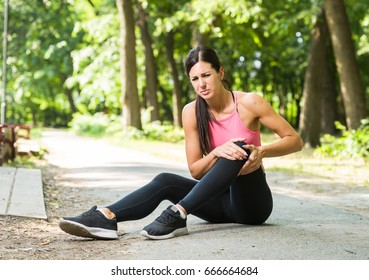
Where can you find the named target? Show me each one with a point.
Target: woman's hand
(254, 161)
(230, 150)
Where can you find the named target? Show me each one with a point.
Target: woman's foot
(91, 223)
(168, 225)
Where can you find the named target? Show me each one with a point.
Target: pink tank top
(232, 127)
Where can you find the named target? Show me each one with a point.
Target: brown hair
(203, 115)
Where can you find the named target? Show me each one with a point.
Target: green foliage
(162, 132)
(100, 125)
(95, 125)
(65, 53)
(96, 66)
(352, 144)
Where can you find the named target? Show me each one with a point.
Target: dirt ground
(35, 239)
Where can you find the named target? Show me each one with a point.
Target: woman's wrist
(213, 154)
(262, 151)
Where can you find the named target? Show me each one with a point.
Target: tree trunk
(69, 94)
(177, 91)
(313, 85)
(150, 67)
(329, 100)
(128, 67)
(347, 67)
(199, 38)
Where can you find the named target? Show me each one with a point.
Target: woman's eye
(193, 79)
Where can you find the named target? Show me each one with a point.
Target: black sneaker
(168, 225)
(91, 223)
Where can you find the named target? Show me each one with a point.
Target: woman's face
(205, 80)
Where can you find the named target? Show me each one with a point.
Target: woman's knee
(164, 177)
(241, 144)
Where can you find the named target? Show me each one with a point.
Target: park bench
(21, 190)
(15, 140)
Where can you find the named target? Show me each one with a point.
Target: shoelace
(166, 217)
(89, 212)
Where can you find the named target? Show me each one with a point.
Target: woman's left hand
(254, 161)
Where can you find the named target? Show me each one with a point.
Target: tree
(150, 65)
(329, 103)
(64, 55)
(39, 57)
(130, 101)
(350, 81)
(310, 120)
(177, 90)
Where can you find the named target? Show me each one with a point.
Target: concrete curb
(21, 193)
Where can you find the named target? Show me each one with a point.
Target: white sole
(177, 232)
(78, 229)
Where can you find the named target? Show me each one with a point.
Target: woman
(224, 155)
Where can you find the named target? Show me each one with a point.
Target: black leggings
(221, 196)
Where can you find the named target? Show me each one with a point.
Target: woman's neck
(222, 104)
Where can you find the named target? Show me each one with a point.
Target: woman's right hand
(230, 150)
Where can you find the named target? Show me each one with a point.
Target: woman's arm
(198, 164)
(263, 113)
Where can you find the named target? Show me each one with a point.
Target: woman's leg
(220, 196)
(219, 178)
(143, 201)
(247, 201)
(94, 223)
(251, 200)
(213, 185)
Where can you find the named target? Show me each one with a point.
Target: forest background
(116, 67)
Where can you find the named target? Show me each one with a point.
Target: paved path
(297, 229)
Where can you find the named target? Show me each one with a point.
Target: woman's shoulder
(189, 113)
(248, 99)
(252, 104)
(189, 107)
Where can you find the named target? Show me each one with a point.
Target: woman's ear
(221, 73)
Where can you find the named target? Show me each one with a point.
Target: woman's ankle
(108, 213)
(182, 210)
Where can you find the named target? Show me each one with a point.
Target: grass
(309, 164)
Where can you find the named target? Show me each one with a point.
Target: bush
(352, 144)
(95, 125)
(99, 125)
(163, 132)
(155, 131)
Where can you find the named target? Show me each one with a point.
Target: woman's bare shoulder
(249, 100)
(189, 113)
(190, 106)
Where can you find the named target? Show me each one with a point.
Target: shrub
(100, 125)
(95, 125)
(351, 144)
